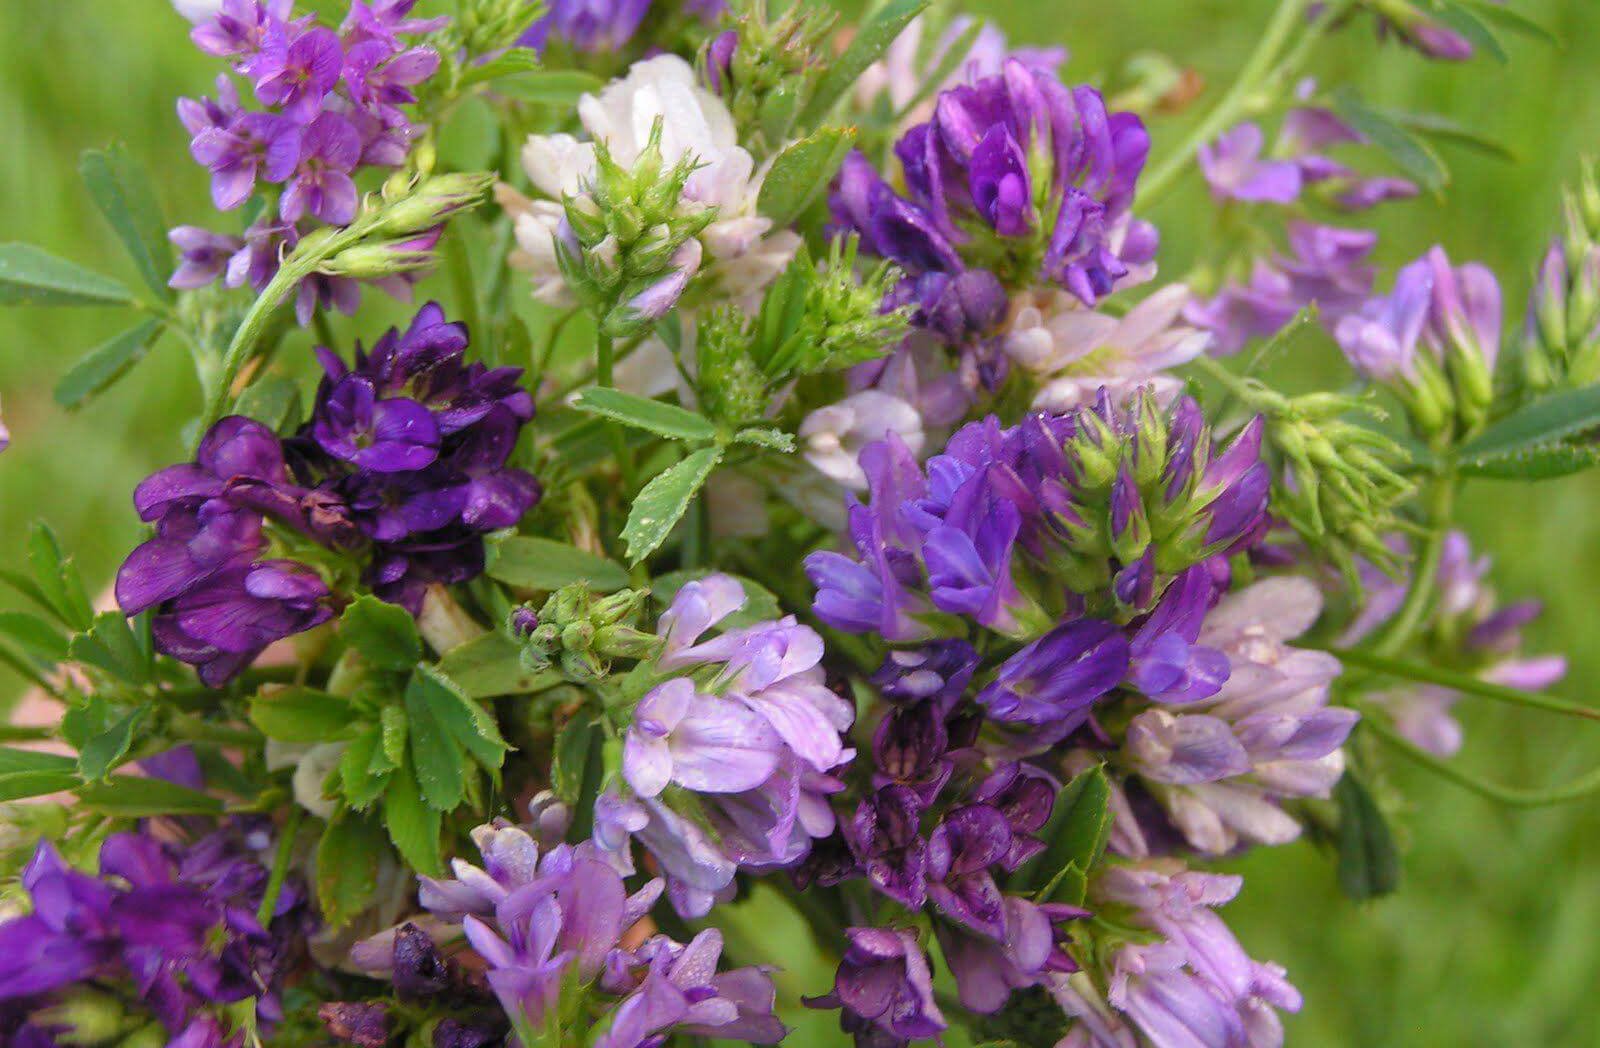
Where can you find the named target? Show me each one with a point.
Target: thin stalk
(1462, 682)
(1264, 61)
(280, 865)
(1515, 797)
(1440, 506)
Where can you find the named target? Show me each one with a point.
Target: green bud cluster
(627, 229)
(89, 1018)
(1448, 400)
(402, 235)
(580, 633)
(1138, 491)
(1340, 483)
(1562, 345)
(817, 317)
(773, 71)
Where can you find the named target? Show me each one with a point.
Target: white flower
(744, 254)
(834, 436)
(1080, 350)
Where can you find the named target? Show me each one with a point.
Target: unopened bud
(387, 258)
(86, 1018)
(434, 201)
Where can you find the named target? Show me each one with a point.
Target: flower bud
(435, 201)
(373, 261)
(87, 1019)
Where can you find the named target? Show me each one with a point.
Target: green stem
(1291, 14)
(194, 729)
(1440, 507)
(1462, 682)
(280, 866)
(1516, 797)
(465, 286)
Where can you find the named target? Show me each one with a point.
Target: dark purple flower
(909, 750)
(1056, 679)
(588, 25)
(365, 1025)
(1024, 795)
(884, 981)
(1031, 946)
(968, 841)
(392, 435)
(938, 673)
(886, 838)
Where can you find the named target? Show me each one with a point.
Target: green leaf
(273, 401)
(298, 714)
(469, 723)
(877, 32)
(1076, 833)
(359, 782)
(1443, 129)
(802, 171)
(516, 60)
(1551, 437)
(543, 564)
(1070, 886)
(58, 580)
(553, 87)
(1463, 21)
(35, 636)
(111, 646)
(348, 858)
(124, 195)
(1512, 21)
(102, 366)
(20, 785)
(385, 634)
(766, 437)
(662, 419)
(436, 756)
(663, 502)
(491, 665)
(1369, 865)
(577, 756)
(32, 277)
(105, 751)
(1413, 156)
(131, 798)
(395, 728)
(13, 760)
(413, 826)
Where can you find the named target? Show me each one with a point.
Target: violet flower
(884, 983)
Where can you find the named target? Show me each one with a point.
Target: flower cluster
(332, 105)
(404, 462)
(550, 928)
(729, 768)
(177, 921)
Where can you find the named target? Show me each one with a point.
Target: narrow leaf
(1369, 865)
(57, 579)
(1536, 428)
(385, 634)
(543, 564)
(1463, 21)
(273, 401)
(105, 751)
(33, 277)
(20, 785)
(132, 798)
(111, 646)
(1443, 129)
(441, 767)
(124, 195)
(102, 366)
(1414, 157)
(38, 638)
(516, 60)
(1538, 463)
(1076, 833)
(1512, 21)
(413, 826)
(868, 45)
(663, 502)
(348, 858)
(468, 722)
(360, 784)
(664, 420)
(803, 171)
(13, 760)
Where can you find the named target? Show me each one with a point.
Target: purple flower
(240, 27)
(316, 161)
(1234, 168)
(588, 25)
(1056, 679)
(700, 742)
(884, 982)
(681, 991)
(233, 145)
(203, 256)
(296, 70)
(1029, 950)
(393, 435)
(938, 673)
(886, 839)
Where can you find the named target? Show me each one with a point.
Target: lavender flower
(884, 984)
(588, 25)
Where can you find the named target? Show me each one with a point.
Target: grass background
(1493, 940)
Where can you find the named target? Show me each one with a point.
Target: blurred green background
(1495, 938)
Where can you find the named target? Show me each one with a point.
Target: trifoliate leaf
(436, 755)
(385, 634)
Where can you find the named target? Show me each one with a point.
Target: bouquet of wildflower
(805, 565)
